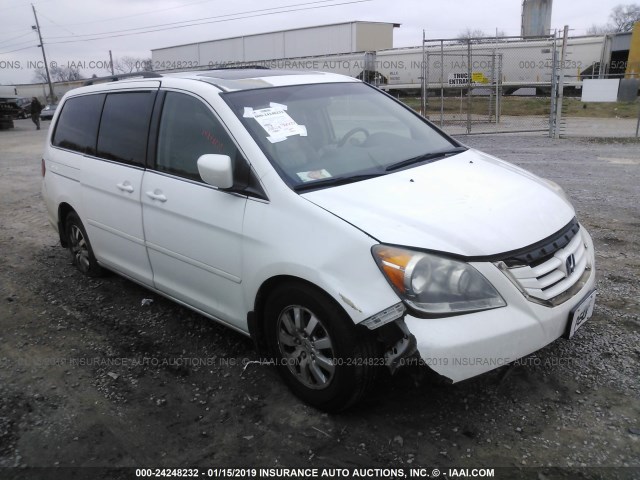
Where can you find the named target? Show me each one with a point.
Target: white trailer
(517, 63)
(8, 91)
(362, 50)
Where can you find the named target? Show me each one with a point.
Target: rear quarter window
(77, 127)
(124, 127)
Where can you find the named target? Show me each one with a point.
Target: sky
(81, 33)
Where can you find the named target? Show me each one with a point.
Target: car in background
(8, 111)
(20, 106)
(24, 107)
(48, 111)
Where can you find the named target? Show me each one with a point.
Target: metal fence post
(423, 96)
(426, 87)
(441, 83)
(494, 82)
(554, 87)
(499, 90)
(469, 60)
(563, 56)
(638, 124)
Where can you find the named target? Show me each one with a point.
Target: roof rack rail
(242, 67)
(115, 78)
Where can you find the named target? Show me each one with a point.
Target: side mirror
(216, 170)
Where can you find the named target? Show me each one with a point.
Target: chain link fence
(474, 86)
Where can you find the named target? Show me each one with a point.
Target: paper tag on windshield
(276, 122)
(313, 175)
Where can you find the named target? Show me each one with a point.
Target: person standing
(36, 108)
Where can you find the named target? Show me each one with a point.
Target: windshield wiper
(335, 181)
(425, 157)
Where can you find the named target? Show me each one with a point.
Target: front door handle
(156, 195)
(125, 187)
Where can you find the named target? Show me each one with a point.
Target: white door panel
(111, 195)
(194, 240)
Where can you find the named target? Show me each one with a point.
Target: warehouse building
(338, 38)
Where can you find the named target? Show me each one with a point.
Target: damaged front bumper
(464, 346)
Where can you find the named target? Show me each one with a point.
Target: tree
(625, 16)
(600, 29)
(478, 36)
(58, 74)
(132, 65)
(40, 75)
(468, 34)
(65, 74)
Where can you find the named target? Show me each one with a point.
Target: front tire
(80, 248)
(318, 350)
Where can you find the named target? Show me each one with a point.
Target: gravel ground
(90, 375)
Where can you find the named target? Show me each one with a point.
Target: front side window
(124, 127)
(327, 134)
(188, 129)
(77, 127)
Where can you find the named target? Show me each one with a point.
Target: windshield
(328, 134)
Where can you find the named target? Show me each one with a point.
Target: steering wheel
(350, 133)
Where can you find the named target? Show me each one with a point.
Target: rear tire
(318, 351)
(80, 248)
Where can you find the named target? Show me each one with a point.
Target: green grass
(572, 107)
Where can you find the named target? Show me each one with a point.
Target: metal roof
(395, 25)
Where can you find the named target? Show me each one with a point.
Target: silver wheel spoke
(78, 234)
(295, 355)
(323, 343)
(288, 324)
(84, 261)
(287, 339)
(317, 373)
(304, 370)
(325, 363)
(311, 326)
(297, 317)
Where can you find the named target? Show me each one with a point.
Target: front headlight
(435, 285)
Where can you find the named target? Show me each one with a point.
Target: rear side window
(188, 129)
(77, 127)
(124, 127)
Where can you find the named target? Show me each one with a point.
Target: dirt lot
(91, 377)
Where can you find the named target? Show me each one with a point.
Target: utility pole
(111, 62)
(36, 27)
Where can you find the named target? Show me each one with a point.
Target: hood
(470, 204)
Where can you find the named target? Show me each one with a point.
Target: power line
(18, 49)
(20, 44)
(15, 38)
(57, 24)
(139, 14)
(18, 6)
(199, 21)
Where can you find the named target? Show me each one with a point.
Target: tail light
(43, 168)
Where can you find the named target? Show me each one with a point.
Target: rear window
(77, 127)
(124, 127)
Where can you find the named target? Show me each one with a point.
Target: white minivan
(339, 229)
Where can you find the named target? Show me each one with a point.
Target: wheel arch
(255, 318)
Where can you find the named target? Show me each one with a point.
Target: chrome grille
(554, 279)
